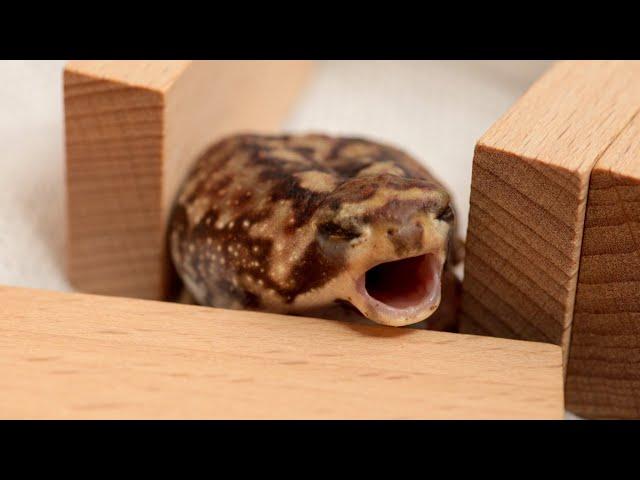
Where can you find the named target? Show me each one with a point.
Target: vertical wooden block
(133, 128)
(528, 199)
(603, 378)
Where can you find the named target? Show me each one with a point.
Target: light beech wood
(528, 199)
(603, 378)
(133, 129)
(84, 356)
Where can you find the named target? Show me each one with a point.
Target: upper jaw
(400, 292)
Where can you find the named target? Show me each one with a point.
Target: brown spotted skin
(286, 223)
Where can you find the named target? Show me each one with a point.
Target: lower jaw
(401, 292)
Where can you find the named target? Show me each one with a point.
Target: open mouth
(403, 291)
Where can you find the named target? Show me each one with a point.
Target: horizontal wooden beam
(83, 356)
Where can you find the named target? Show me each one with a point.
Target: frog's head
(390, 236)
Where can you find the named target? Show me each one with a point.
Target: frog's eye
(446, 215)
(334, 231)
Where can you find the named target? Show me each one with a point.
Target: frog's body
(297, 224)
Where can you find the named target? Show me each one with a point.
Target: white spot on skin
(246, 224)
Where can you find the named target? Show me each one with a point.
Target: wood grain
(528, 199)
(83, 356)
(133, 128)
(603, 378)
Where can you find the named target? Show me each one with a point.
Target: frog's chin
(400, 292)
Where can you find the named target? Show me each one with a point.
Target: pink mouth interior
(404, 283)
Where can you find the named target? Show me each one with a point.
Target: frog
(317, 225)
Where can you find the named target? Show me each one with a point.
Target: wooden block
(603, 378)
(528, 199)
(82, 356)
(133, 128)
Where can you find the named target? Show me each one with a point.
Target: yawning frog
(299, 224)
